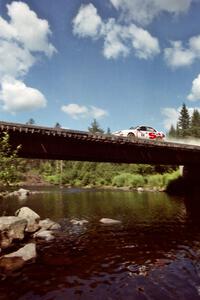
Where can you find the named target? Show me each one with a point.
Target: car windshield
(151, 129)
(133, 127)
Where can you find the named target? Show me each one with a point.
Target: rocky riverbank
(22, 234)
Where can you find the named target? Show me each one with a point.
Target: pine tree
(172, 132)
(95, 127)
(108, 132)
(31, 121)
(195, 120)
(57, 125)
(184, 121)
(195, 124)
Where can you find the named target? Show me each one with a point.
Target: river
(152, 254)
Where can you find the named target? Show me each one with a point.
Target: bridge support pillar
(188, 182)
(191, 174)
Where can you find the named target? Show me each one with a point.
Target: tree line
(187, 126)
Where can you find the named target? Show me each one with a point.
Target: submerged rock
(8, 264)
(47, 235)
(11, 228)
(49, 224)
(108, 221)
(21, 193)
(78, 222)
(31, 217)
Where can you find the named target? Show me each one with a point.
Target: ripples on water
(153, 254)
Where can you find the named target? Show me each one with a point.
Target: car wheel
(131, 135)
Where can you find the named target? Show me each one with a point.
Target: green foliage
(95, 127)
(31, 121)
(186, 126)
(136, 180)
(57, 125)
(172, 132)
(184, 119)
(127, 179)
(155, 180)
(8, 161)
(54, 179)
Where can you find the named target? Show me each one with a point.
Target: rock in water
(108, 221)
(27, 252)
(11, 228)
(31, 217)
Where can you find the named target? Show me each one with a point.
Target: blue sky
(122, 62)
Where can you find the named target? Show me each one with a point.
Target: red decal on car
(152, 135)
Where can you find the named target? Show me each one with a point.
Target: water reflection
(129, 207)
(152, 254)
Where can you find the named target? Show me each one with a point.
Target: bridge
(64, 144)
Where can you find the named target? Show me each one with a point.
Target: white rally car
(143, 132)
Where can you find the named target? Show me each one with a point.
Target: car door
(151, 132)
(142, 132)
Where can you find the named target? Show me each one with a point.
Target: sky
(122, 62)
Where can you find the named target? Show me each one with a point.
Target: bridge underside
(100, 148)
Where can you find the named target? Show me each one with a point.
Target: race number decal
(152, 135)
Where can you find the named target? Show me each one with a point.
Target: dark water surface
(153, 254)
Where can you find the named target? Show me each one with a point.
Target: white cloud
(144, 11)
(77, 111)
(74, 110)
(171, 117)
(118, 39)
(23, 36)
(87, 22)
(114, 44)
(177, 56)
(97, 112)
(30, 30)
(17, 97)
(14, 60)
(144, 44)
(195, 91)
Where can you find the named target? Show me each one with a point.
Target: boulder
(11, 228)
(49, 224)
(8, 264)
(21, 193)
(31, 217)
(17, 259)
(108, 221)
(44, 234)
(27, 252)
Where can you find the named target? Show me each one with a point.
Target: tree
(31, 121)
(95, 127)
(195, 120)
(184, 121)
(108, 132)
(195, 124)
(57, 125)
(172, 132)
(8, 160)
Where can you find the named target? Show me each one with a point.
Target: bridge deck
(58, 143)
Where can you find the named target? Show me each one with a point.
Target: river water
(152, 254)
